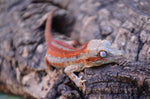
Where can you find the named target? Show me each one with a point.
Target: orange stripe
(93, 59)
(86, 61)
(58, 52)
(67, 63)
(64, 44)
(57, 64)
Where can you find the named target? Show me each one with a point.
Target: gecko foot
(52, 74)
(82, 83)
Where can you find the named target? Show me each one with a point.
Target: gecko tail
(48, 35)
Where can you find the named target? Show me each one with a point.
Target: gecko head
(101, 52)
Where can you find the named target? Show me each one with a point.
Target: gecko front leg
(69, 70)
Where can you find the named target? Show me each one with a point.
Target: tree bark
(23, 47)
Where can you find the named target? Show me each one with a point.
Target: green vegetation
(6, 96)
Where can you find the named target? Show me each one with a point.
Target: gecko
(74, 59)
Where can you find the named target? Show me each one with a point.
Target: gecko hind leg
(50, 70)
(73, 43)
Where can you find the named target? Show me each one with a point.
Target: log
(23, 47)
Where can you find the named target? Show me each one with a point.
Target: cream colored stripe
(65, 48)
(61, 60)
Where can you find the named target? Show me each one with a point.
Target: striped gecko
(74, 59)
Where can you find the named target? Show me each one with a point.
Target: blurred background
(125, 23)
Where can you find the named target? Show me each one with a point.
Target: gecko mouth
(104, 60)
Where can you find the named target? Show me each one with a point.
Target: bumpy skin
(62, 55)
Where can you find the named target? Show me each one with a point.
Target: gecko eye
(102, 54)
